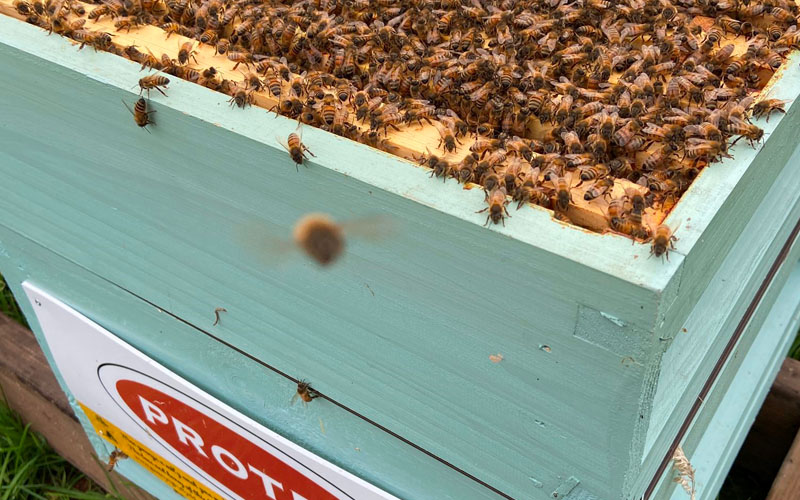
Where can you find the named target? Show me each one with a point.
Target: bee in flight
(317, 235)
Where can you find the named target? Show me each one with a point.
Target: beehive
(603, 350)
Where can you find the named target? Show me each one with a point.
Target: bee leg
(308, 151)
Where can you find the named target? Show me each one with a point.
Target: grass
(8, 305)
(30, 469)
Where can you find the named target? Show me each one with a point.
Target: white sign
(198, 445)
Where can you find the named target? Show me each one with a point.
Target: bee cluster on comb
(620, 104)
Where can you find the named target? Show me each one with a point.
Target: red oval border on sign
(242, 463)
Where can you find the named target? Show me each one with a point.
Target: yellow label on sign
(182, 483)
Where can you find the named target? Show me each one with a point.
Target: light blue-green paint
(348, 441)
(713, 441)
(400, 330)
(691, 354)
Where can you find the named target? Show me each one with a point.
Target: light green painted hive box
(604, 351)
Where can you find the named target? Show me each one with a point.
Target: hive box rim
(609, 253)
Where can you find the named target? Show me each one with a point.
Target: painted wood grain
(717, 434)
(402, 329)
(348, 441)
(690, 355)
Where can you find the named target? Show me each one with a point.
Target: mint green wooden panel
(690, 355)
(157, 214)
(716, 436)
(724, 420)
(247, 386)
(713, 213)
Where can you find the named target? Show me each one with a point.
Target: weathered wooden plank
(774, 429)
(348, 441)
(156, 215)
(787, 483)
(31, 389)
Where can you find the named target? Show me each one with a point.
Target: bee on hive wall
(304, 392)
(768, 106)
(663, 241)
(297, 150)
(497, 201)
(140, 113)
(115, 457)
(153, 82)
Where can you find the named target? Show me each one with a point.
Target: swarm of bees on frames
(545, 96)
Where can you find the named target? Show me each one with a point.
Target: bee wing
(282, 142)
(264, 243)
(370, 228)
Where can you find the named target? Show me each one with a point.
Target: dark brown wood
(787, 483)
(775, 428)
(32, 390)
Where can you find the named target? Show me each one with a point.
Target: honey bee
(572, 142)
(663, 241)
(624, 134)
(702, 149)
(766, 107)
(240, 97)
(98, 40)
(498, 201)
(115, 456)
(305, 392)
(153, 82)
(601, 187)
(240, 57)
(186, 52)
(563, 192)
(447, 137)
(464, 170)
(222, 46)
(297, 150)
(747, 130)
(140, 113)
